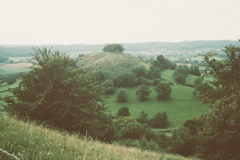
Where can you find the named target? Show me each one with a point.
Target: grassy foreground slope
(30, 142)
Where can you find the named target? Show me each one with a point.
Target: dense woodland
(75, 100)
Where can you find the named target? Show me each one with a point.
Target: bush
(159, 120)
(181, 73)
(143, 118)
(143, 92)
(143, 80)
(123, 112)
(135, 130)
(140, 71)
(108, 86)
(125, 80)
(122, 95)
(182, 142)
(163, 91)
(162, 140)
(155, 82)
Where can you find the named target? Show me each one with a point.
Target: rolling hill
(111, 63)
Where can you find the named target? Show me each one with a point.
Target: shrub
(122, 95)
(159, 120)
(155, 82)
(163, 91)
(124, 112)
(124, 80)
(182, 142)
(143, 118)
(143, 92)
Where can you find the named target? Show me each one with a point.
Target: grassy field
(182, 105)
(30, 142)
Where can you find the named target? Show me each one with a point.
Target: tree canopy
(216, 135)
(163, 91)
(143, 92)
(220, 135)
(113, 48)
(57, 93)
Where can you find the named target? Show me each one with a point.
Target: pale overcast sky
(117, 21)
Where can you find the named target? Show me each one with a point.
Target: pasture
(182, 105)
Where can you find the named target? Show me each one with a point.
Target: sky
(117, 21)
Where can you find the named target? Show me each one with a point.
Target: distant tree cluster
(163, 63)
(118, 48)
(9, 79)
(3, 59)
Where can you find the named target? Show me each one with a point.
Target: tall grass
(28, 141)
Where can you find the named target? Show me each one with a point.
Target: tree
(163, 91)
(143, 117)
(3, 59)
(180, 79)
(219, 138)
(57, 93)
(197, 81)
(135, 130)
(202, 88)
(182, 142)
(121, 95)
(124, 80)
(154, 72)
(194, 70)
(123, 112)
(159, 120)
(165, 63)
(143, 92)
(180, 74)
(140, 71)
(129, 128)
(100, 76)
(108, 87)
(113, 48)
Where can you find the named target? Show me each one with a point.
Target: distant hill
(24, 50)
(111, 63)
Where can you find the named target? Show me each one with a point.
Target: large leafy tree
(219, 138)
(59, 94)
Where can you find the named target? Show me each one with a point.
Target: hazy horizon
(53, 22)
(114, 42)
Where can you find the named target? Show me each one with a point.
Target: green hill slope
(30, 142)
(112, 63)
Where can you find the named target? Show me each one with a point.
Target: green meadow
(181, 106)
